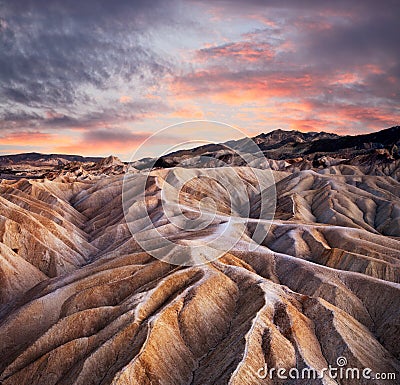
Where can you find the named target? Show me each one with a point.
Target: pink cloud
(244, 51)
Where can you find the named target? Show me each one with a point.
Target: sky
(98, 77)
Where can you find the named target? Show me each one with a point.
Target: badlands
(90, 294)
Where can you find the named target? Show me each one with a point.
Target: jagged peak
(110, 161)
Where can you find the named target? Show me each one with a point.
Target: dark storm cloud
(63, 54)
(103, 116)
(114, 135)
(89, 9)
(307, 4)
(20, 115)
(367, 38)
(359, 32)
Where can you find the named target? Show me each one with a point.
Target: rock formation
(82, 303)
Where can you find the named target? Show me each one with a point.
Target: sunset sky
(97, 77)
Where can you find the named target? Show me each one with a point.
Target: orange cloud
(240, 90)
(105, 141)
(245, 51)
(125, 99)
(31, 138)
(97, 149)
(347, 78)
(372, 114)
(190, 113)
(121, 142)
(307, 125)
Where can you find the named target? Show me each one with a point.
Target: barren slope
(99, 310)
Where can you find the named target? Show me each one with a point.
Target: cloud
(105, 141)
(25, 137)
(86, 69)
(114, 136)
(25, 141)
(244, 50)
(253, 86)
(122, 142)
(125, 99)
(306, 5)
(341, 59)
(76, 57)
(115, 113)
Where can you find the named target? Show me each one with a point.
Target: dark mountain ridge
(286, 145)
(35, 158)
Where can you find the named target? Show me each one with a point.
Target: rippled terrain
(84, 301)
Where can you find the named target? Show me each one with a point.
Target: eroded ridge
(82, 303)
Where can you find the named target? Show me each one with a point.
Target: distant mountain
(281, 137)
(292, 151)
(288, 145)
(389, 138)
(280, 144)
(37, 159)
(34, 165)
